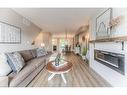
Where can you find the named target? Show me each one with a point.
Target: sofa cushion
(27, 55)
(34, 53)
(11, 76)
(37, 61)
(4, 67)
(26, 81)
(27, 70)
(22, 75)
(41, 52)
(15, 61)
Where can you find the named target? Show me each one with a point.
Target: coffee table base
(62, 75)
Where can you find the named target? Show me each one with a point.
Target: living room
(64, 44)
(23, 38)
(63, 47)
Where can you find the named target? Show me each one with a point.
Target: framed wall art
(102, 24)
(9, 34)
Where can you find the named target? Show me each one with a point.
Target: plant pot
(83, 57)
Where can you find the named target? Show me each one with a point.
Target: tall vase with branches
(114, 23)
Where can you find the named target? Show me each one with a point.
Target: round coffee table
(58, 70)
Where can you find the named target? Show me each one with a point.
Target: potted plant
(78, 49)
(84, 52)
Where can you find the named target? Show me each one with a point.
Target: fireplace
(54, 48)
(114, 61)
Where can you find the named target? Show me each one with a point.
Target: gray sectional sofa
(33, 65)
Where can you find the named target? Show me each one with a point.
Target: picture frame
(102, 24)
(9, 34)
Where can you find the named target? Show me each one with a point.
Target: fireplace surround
(112, 60)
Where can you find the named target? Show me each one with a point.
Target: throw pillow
(4, 67)
(40, 52)
(34, 53)
(15, 61)
(44, 50)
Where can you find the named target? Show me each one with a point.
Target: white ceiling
(58, 20)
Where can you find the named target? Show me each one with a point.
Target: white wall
(46, 39)
(113, 77)
(28, 32)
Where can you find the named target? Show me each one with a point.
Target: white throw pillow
(4, 67)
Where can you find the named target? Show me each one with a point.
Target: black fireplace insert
(114, 61)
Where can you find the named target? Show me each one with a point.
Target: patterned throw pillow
(34, 53)
(15, 61)
(4, 67)
(41, 52)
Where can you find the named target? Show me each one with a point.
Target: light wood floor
(80, 76)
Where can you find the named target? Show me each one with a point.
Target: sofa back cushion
(4, 67)
(27, 55)
(15, 61)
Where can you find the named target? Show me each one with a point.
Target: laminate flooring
(81, 75)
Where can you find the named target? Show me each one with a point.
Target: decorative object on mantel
(114, 23)
(102, 24)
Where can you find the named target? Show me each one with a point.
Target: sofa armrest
(3, 81)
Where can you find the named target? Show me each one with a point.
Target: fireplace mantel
(120, 39)
(113, 39)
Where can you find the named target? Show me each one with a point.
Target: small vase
(112, 32)
(108, 32)
(83, 57)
